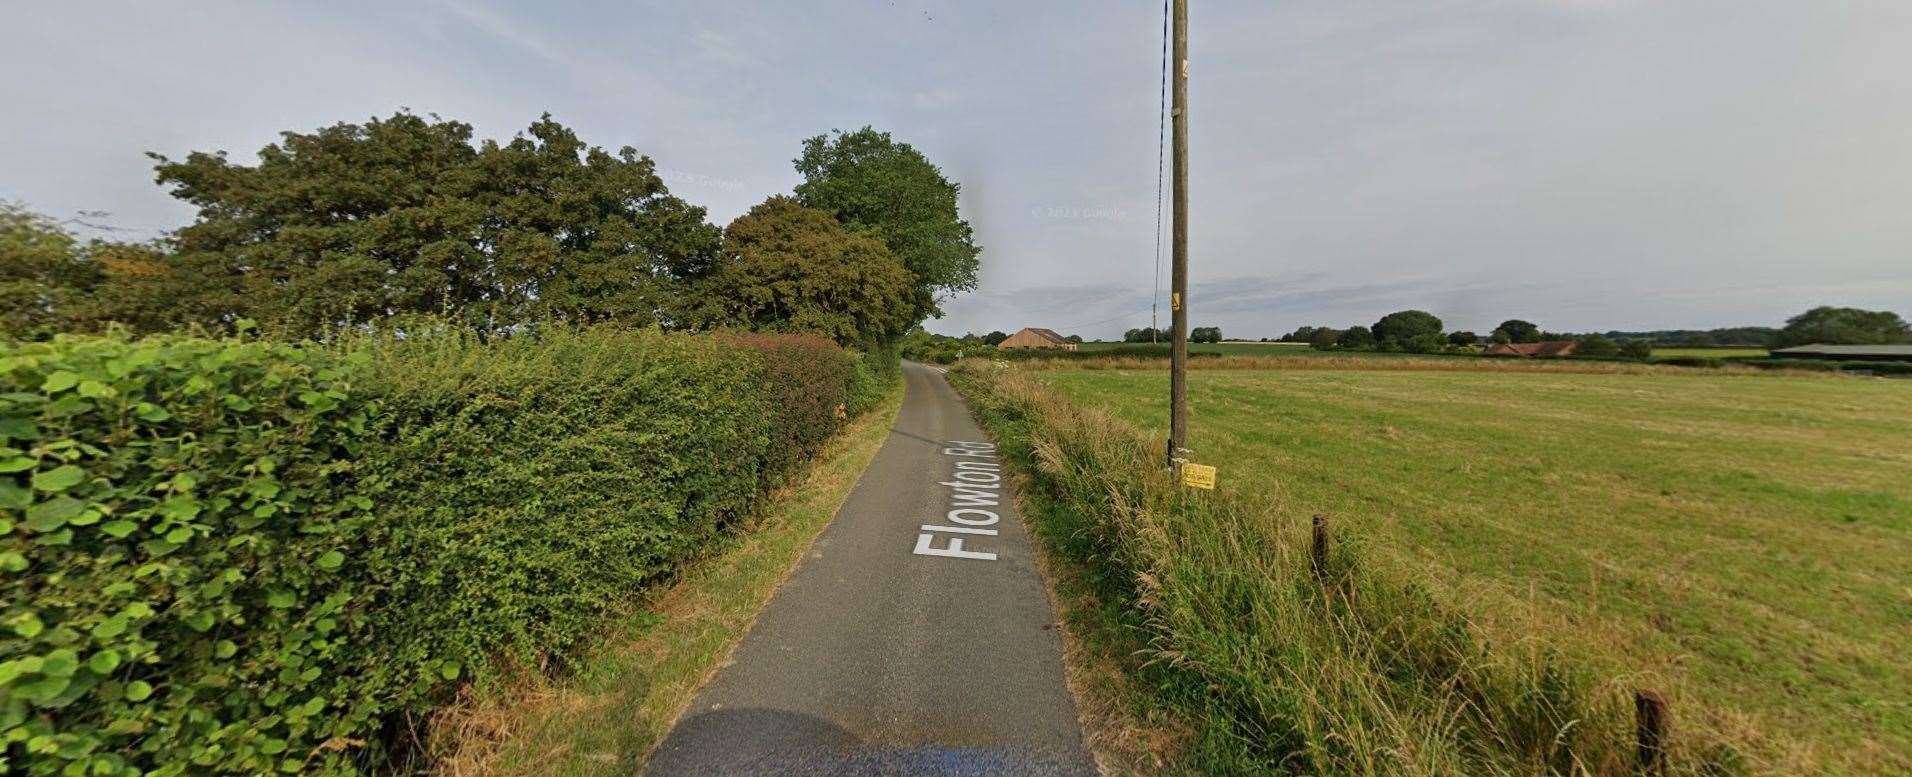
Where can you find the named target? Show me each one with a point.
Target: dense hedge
(178, 527)
(247, 557)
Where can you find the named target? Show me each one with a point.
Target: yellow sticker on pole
(1198, 476)
(1175, 300)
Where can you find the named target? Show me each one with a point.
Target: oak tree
(788, 268)
(878, 186)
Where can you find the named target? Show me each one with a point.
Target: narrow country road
(914, 638)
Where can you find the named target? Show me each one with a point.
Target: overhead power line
(1161, 142)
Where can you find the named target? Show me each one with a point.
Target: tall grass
(1356, 669)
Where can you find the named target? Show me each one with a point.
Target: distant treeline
(1753, 336)
(1420, 332)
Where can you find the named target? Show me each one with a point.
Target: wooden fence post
(1320, 558)
(1651, 723)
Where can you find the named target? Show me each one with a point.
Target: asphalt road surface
(915, 638)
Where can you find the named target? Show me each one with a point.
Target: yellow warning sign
(1198, 476)
(1175, 300)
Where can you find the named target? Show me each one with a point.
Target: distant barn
(1038, 338)
(1548, 348)
(1867, 353)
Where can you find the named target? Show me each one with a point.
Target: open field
(1302, 349)
(1709, 353)
(1741, 541)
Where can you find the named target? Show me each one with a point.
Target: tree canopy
(43, 274)
(1353, 337)
(876, 185)
(1402, 326)
(404, 215)
(51, 282)
(788, 268)
(1597, 345)
(1514, 330)
(1830, 325)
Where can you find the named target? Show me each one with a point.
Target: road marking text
(975, 486)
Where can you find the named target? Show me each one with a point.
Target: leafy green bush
(1598, 346)
(875, 371)
(180, 531)
(245, 557)
(923, 346)
(808, 380)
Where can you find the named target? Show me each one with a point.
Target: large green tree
(1844, 326)
(44, 274)
(354, 222)
(885, 188)
(1399, 327)
(788, 268)
(1514, 330)
(1354, 338)
(51, 281)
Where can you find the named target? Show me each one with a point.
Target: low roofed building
(1033, 337)
(1547, 348)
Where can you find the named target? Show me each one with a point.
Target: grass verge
(607, 713)
(1275, 664)
(1737, 542)
(1105, 646)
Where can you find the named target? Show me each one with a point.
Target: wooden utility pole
(1178, 288)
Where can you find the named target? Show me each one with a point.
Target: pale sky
(1584, 164)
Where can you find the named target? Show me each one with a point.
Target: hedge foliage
(249, 557)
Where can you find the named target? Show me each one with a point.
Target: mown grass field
(1744, 541)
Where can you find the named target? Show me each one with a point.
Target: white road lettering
(987, 518)
(972, 488)
(925, 546)
(959, 529)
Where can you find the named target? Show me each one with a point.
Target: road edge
(1123, 731)
(627, 694)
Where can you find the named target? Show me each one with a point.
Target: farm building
(1548, 348)
(1869, 353)
(1032, 337)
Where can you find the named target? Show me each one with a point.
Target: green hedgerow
(247, 557)
(175, 549)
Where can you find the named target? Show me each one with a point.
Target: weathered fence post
(1320, 559)
(1651, 722)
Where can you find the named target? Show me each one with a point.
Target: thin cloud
(1586, 164)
